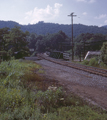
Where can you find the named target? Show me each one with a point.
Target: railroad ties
(92, 70)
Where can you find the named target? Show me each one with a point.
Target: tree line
(88, 42)
(15, 42)
(49, 42)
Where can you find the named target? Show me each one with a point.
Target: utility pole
(71, 15)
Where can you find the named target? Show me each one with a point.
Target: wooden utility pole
(71, 15)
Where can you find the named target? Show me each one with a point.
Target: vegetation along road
(90, 87)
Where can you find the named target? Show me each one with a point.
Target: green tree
(3, 43)
(17, 42)
(88, 42)
(50, 41)
(40, 43)
(32, 39)
(104, 53)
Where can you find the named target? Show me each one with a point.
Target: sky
(88, 12)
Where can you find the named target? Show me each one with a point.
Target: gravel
(76, 76)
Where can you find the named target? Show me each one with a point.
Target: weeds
(24, 95)
(85, 62)
(95, 63)
(91, 62)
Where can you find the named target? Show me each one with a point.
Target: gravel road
(88, 86)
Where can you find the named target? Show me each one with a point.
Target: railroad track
(92, 70)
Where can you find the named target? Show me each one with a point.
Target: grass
(25, 95)
(93, 62)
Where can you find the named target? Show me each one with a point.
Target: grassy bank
(24, 95)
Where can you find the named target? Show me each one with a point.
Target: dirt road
(90, 87)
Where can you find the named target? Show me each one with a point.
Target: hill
(105, 26)
(44, 28)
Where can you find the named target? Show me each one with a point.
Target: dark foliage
(45, 28)
(13, 42)
(89, 42)
(49, 36)
(42, 43)
(104, 53)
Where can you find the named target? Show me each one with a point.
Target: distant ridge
(9, 24)
(105, 26)
(45, 28)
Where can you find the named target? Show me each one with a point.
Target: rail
(92, 70)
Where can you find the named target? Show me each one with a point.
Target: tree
(17, 42)
(32, 39)
(40, 46)
(40, 43)
(104, 53)
(3, 43)
(88, 42)
(50, 41)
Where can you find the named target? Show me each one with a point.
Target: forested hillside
(14, 41)
(105, 26)
(45, 28)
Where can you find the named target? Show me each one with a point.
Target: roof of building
(92, 53)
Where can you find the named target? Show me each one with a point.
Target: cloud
(84, 13)
(92, 1)
(81, 0)
(105, 21)
(101, 16)
(87, 1)
(100, 25)
(43, 14)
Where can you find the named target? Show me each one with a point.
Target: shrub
(20, 103)
(93, 62)
(50, 99)
(85, 62)
(102, 65)
(4, 55)
(103, 55)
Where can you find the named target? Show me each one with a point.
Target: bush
(50, 99)
(20, 103)
(102, 65)
(85, 62)
(4, 55)
(16, 102)
(93, 62)
(103, 55)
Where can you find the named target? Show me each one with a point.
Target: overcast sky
(89, 12)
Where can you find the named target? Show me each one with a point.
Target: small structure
(66, 56)
(91, 54)
(56, 54)
(59, 55)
